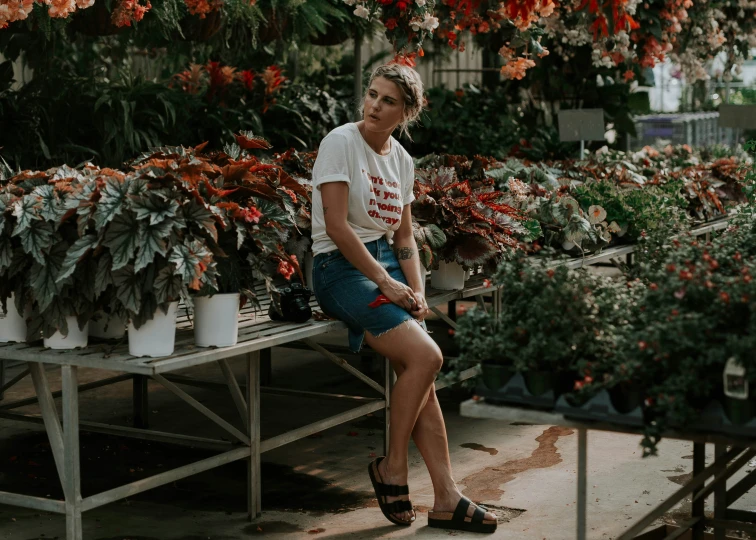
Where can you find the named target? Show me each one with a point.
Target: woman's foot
(390, 475)
(449, 502)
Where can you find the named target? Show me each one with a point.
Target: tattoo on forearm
(325, 210)
(404, 253)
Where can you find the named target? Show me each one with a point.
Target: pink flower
(251, 214)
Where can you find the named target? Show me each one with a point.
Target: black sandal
(460, 521)
(389, 490)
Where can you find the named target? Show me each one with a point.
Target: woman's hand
(399, 293)
(420, 310)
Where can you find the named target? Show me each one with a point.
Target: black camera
(294, 301)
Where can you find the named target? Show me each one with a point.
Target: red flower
(737, 256)
(285, 269)
(401, 5)
(550, 273)
(578, 385)
(642, 345)
(251, 214)
(671, 268)
(390, 24)
(629, 75)
(653, 286)
(724, 297)
(486, 283)
(248, 79)
(675, 313)
(685, 275)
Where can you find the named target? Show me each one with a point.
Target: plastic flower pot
(216, 320)
(494, 375)
(538, 382)
(13, 324)
(157, 336)
(75, 339)
(448, 277)
(626, 397)
(739, 411)
(106, 326)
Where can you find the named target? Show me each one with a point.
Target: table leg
(389, 377)
(266, 367)
(582, 482)
(2, 378)
(720, 496)
(254, 491)
(72, 461)
(699, 464)
(141, 404)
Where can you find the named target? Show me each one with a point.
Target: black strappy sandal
(460, 521)
(389, 490)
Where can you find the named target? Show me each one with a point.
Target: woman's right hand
(399, 293)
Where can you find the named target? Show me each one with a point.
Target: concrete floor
(318, 487)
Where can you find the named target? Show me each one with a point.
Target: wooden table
(257, 334)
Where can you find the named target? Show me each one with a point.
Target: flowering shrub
(407, 22)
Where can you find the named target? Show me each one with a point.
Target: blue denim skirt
(344, 292)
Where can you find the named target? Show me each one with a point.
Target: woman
(362, 182)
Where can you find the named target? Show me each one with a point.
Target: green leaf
(167, 285)
(577, 229)
(122, 237)
(6, 253)
(50, 206)
(151, 241)
(113, 197)
(104, 277)
(188, 260)
(198, 214)
(128, 288)
(43, 277)
(155, 208)
(24, 210)
(435, 236)
(36, 239)
(75, 253)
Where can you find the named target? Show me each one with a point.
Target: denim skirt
(344, 292)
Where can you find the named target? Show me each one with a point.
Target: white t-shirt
(379, 186)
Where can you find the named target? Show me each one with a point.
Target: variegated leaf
(196, 213)
(51, 208)
(167, 285)
(36, 239)
(104, 276)
(113, 198)
(151, 241)
(43, 277)
(24, 210)
(122, 237)
(6, 253)
(128, 288)
(75, 253)
(157, 209)
(191, 261)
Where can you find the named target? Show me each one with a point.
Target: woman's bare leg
(426, 427)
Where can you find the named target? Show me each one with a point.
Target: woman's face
(384, 106)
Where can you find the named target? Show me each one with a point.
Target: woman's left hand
(420, 309)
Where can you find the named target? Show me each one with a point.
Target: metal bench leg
(141, 402)
(389, 379)
(72, 462)
(581, 482)
(697, 511)
(720, 496)
(2, 379)
(254, 491)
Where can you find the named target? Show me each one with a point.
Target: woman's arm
(405, 248)
(335, 197)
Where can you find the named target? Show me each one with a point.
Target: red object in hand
(379, 301)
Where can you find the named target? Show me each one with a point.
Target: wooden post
(254, 491)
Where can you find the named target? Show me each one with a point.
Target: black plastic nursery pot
(626, 396)
(739, 411)
(495, 375)
(539, 382)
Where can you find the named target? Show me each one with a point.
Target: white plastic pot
(13, 324)
(448, 277)
(106, 326)
(75, 339)
(156, 337)
(308, 264)
(216, 320)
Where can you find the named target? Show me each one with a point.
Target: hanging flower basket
(95, 21)
(196, 28)
(336, 35)
(275, 27)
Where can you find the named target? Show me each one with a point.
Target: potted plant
(551, 326)
(696, 313)
(159, 234)
(454, 194)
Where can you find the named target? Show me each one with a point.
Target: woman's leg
(416, 359)
(428, 429)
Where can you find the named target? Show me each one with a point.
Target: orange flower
(515, 69)
(629, 75)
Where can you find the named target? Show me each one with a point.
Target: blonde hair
(410, 87)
